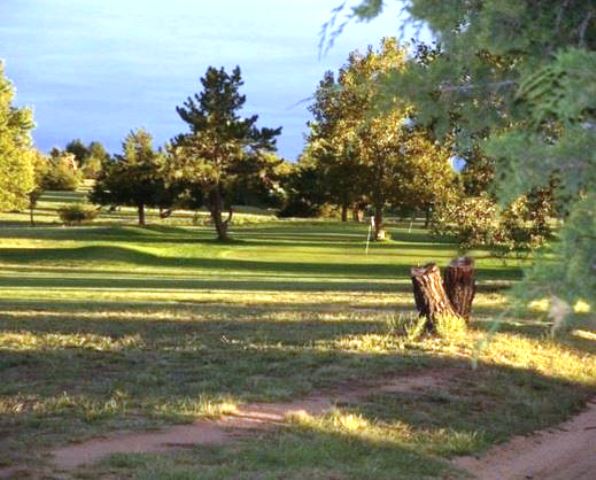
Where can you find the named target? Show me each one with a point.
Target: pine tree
(222, 147)
(133, 178)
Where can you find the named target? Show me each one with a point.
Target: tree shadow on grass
(92, 375)
(102, 253)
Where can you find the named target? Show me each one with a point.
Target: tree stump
(460, 285)
(429, 294)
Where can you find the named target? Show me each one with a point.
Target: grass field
(116, 327)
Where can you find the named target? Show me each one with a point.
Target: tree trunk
(460, 285)
(221, 226)
(427, 216)
(344, 212)
(430, 296)
(141, 212)
(31, 208)
(379, 232)
(356, 214)
(216, 209)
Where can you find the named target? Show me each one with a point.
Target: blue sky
(95, 69)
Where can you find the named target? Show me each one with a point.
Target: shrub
(77, 213)
(478, 221)
(473, 221)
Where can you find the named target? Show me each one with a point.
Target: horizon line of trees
(356, 157)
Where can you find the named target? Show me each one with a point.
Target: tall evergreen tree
(222, 147)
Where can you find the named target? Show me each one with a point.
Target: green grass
(109, 327)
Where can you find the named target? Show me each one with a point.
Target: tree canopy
(17, 178)
(519, 79)
(384, 156)
(134, 177)
(222, 150)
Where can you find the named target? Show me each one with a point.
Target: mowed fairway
(115, 327)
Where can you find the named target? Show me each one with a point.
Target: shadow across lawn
(101, 253)
(86, 377)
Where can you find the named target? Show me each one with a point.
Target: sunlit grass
(113, 327)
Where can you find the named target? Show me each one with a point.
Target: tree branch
(467, 88)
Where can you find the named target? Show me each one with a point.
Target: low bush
(77, 213)
(479, 222)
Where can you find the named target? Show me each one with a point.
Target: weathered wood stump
(460, 285)
(429, 294)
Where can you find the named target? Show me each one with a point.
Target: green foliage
(306, 192)
(522, 77)
(479, 221)
(223, 153)
(90, 158)
(478, 172)
(41, 166)
(62, 173)
(578, 247)
(133, 178)
(78, 149)
(525, 222)
(383, 158)
(94, 162)
(77, 213)
(473, 221)
(16, 168)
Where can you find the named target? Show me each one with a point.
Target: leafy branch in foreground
(520, 76)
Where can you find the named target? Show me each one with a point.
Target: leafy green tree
(382, 156)
(133, 178)
(478, 172)
(16, 168)
(427, 180)
(336, 158)
(305, 190)
(62, 173)
(97, 157)
(222, 149)
(89, 158)
(523, 74)
(78, 149)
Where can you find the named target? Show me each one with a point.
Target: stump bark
(460, 285)
(430, 296)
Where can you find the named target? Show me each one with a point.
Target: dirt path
(246, 418)
(566, 452)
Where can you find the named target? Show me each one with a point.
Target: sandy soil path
(565, 452)
(247, 418)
